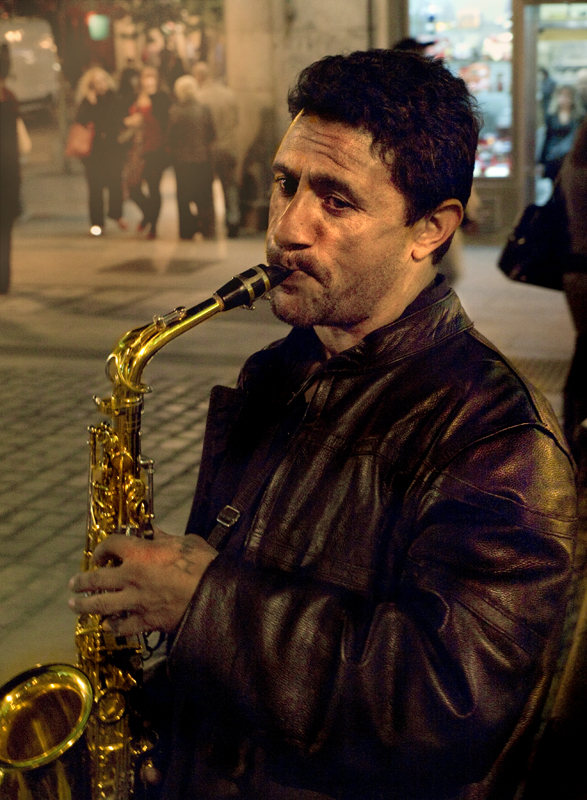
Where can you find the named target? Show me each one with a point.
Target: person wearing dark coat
(98, 104)
(573, 177)
(148, 117)
(9, 170)
(561, 125)
(222, 102)
(189, 139)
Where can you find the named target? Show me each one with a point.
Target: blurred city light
(98, 26)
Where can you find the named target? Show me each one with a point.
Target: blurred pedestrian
(573, 176)
(128, 87)
(189, 139)
(223, 105)
(148, 117)
(258, 179)
(98, 103)
(581, 87)
(9, 169)
(562, 123)
(546, 88)
(414, 45)
(170, 62)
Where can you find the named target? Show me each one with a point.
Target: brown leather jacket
(380, 621)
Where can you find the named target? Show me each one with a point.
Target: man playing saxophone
(367, 603)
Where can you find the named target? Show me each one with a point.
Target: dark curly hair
(423, 119)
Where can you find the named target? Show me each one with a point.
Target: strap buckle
(228, 517)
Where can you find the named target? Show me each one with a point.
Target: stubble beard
(295, 312)
(328, 309)
(302, 306)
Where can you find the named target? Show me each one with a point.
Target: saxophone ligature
(77, 732)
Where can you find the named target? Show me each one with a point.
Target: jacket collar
(434, 316)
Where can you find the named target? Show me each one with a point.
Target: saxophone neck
(136, 348)
(133, 352)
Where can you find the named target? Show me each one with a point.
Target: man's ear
(435, 228)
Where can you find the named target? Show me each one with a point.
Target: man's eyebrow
(324, 184)
(278, 166)
(321, 183)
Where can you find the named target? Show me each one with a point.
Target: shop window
(475, 39)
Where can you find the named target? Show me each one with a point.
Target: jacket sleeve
(436, 673)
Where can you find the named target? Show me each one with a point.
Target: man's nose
(294, 226)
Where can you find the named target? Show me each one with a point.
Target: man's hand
(149, 588)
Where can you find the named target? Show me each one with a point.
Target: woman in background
(10, 206)
(561, 124)
(148, 117)
(189, 139)
(97, 103)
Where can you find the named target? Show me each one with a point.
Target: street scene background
(73, 296)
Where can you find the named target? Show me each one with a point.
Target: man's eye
(337, 203)
(286, 185)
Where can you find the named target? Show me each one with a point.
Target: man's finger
(103, 603)
(125, 625)
(106, 579)
(113, 548)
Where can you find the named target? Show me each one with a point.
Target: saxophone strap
(255, 476)
(262, 465)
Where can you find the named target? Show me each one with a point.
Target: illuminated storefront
(516, 57)
(475, 39)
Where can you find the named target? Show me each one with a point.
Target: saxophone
(77, 732)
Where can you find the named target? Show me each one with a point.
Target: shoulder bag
(80, 140)
(538, 247)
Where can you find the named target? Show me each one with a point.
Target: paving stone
(20, 518)
(12, 577)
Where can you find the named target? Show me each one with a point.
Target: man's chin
(291, 312)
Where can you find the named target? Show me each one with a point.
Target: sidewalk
(72, 298)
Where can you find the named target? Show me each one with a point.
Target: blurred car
(34, 66)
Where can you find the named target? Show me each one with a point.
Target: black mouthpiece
(244, 289)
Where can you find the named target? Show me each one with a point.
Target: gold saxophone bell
(43, 714)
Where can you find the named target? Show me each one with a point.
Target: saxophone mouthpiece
(276, 274)
(251, 284)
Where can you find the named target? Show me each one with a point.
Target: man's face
(336, 219)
